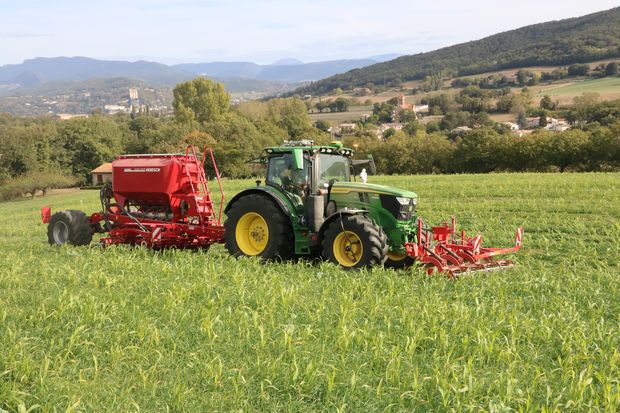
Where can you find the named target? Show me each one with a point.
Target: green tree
(569, 150)
(612, 69)
(406, 116)
(547, 104)
(289, 114)
(83, 144)
(522, 120)
(477, 152)
(542, 121)
(522, 77)
(201, 100)
(322, 125)
(577, 69)
(389, 133)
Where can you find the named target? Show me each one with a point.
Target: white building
(112, 109)
(513, 126)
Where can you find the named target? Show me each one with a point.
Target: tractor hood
(346, 187)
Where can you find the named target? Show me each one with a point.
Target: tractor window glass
(334, 167)
(282, 172)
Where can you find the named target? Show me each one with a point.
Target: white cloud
(260, 30)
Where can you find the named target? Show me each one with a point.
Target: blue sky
(261, 30)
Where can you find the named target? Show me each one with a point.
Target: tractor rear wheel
(354, 241)
(257, 227)
(71, 227)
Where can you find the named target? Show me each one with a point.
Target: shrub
(33, 182)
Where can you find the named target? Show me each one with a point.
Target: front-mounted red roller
(443, 249)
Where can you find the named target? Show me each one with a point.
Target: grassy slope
(607, 87)
(127, 329)
(576, 40)
(353, 114)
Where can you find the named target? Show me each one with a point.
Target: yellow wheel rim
(348, 249)
(252, 233)
(395, 256)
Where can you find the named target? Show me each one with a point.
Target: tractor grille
(402, 209)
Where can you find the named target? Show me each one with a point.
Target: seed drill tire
(79, 229)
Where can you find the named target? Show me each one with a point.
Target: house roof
(104, 168)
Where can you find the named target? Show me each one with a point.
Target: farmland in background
(607, 88)
(354, 114)
(129, 329)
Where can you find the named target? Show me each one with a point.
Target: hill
(45, 69)
(82, 84)
(582, 39)
(222, 69)
(311, 71)
(285, 70)
(84, 96)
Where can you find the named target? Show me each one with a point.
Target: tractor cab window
(281, 172)
(333, 167)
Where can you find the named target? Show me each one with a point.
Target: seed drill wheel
(257, 227)
(354, 241)
(71, 227)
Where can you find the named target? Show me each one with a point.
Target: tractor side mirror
(298, 158)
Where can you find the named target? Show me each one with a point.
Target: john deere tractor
(309, 206)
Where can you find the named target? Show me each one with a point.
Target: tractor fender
(265, 191)
(335, 216)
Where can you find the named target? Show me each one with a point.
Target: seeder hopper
(158, 200)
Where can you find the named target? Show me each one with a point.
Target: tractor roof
(308, 145)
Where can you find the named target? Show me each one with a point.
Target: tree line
(488, 149)
(52, 152)
(38, 153)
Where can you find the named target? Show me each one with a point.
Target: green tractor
(310, 207)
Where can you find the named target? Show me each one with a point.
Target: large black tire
(256, 226)
(398, 262)
(71, 227)
(362, 243)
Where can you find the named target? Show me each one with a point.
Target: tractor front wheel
(71, 227)
(398, 261)
(257, 227)
(354, 241)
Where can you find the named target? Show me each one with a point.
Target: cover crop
(130, 329)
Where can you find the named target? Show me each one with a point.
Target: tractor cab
(299, 168)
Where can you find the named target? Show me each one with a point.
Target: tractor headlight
(400, 207)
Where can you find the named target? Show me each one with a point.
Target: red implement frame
(199, 231)
(442, 249)
(198, 226)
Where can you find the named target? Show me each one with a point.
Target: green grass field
(128, 329)
(354, 113)
(605, 86)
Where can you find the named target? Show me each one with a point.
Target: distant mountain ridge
(582, 39)
(283, 71)
(47, 69)
(40, 70)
